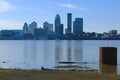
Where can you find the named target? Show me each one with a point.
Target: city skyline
(97, 18)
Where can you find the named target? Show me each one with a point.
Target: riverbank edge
(19, 74)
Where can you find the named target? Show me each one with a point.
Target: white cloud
(71, 6)
(5, 6)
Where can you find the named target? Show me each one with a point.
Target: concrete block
(108, 55)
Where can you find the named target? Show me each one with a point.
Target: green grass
(7, 74)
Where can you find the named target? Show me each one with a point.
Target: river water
(34, 54)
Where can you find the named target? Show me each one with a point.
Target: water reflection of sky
(35, 54)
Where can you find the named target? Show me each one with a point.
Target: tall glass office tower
(69, 23)
(78, 26)
(57, 24)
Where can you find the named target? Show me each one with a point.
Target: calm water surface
(36, 54)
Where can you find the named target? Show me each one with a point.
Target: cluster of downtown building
(74, 31)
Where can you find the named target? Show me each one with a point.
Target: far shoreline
(64, 39)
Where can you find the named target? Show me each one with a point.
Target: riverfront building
(78, 26)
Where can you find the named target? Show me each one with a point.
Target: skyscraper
(25, 28)
(69, 23)
(78, 26)
(61, 27)
(45, 25)
(48, 28)
(32, 27)
(51, 27)
(57, 24)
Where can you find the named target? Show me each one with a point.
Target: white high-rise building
(32, 27)
(51, 27)
(48, 28)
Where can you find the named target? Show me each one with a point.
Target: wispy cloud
(71, 6)
(6, 6)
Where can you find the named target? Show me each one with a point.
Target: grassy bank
(6, 74)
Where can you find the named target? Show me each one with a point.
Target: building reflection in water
(74, 51)
(69, 51)
(33, 53)
(110, 69)
(58, 51)
(25, 54)
(77, 51)
(46, 51)
(48, 56)
(30, 53)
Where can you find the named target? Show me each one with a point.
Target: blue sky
(99, 15)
